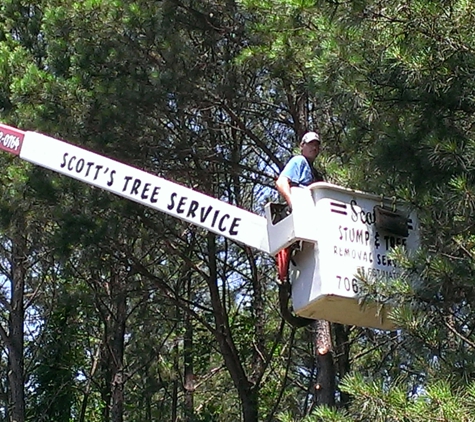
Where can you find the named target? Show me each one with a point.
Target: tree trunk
(342, 349)
(118, 334)
(112, 350)
(105, 378)
(250, 410)
(189, 381)
(247, 395)
(175, 417)
(16, 325)
(87, 392)
(325, 383)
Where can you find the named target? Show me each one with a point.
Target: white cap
(309, 137)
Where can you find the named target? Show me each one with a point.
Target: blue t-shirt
(299, 172)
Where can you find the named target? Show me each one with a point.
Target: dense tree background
(113, 312)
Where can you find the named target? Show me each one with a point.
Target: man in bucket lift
(299, 171)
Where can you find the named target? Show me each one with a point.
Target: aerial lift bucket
(341, 234)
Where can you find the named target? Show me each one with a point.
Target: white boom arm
(137, 185)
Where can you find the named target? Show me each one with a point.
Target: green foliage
(59, 362)
(399, 121)
(212, 95)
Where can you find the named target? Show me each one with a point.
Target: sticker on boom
(11, 139)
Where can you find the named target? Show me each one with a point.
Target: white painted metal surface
(296, 226)
(152, 191)
(324, 279)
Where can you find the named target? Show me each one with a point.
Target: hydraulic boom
(137, 185)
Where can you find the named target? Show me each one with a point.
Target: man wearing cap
(299, 171)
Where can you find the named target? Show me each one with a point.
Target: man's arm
(283, 186)
(291, 172)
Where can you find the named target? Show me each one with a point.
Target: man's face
(311, 149)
